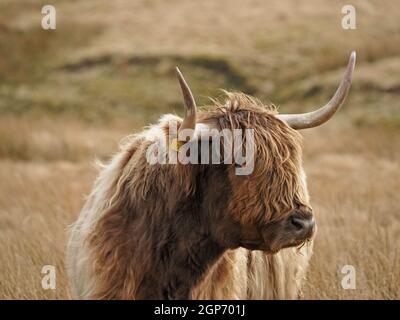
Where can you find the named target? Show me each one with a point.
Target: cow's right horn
(189, 121)
(323, 114)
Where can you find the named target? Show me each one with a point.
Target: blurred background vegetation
(108, 60)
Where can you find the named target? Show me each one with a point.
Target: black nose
(302, 225)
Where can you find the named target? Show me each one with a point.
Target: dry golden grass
(69, 97)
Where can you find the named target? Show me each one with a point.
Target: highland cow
(199, 231)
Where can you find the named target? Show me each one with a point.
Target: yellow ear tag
(176, 144)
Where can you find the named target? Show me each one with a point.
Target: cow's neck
(182, 263)
(182, 248)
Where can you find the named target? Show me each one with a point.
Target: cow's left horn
(320, 116)
(189, 121)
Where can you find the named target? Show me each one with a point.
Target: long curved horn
(320, 116)
(189, 120)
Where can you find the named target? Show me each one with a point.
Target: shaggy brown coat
(177, 231)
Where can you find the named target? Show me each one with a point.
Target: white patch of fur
(78, 258)
(303, 181)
